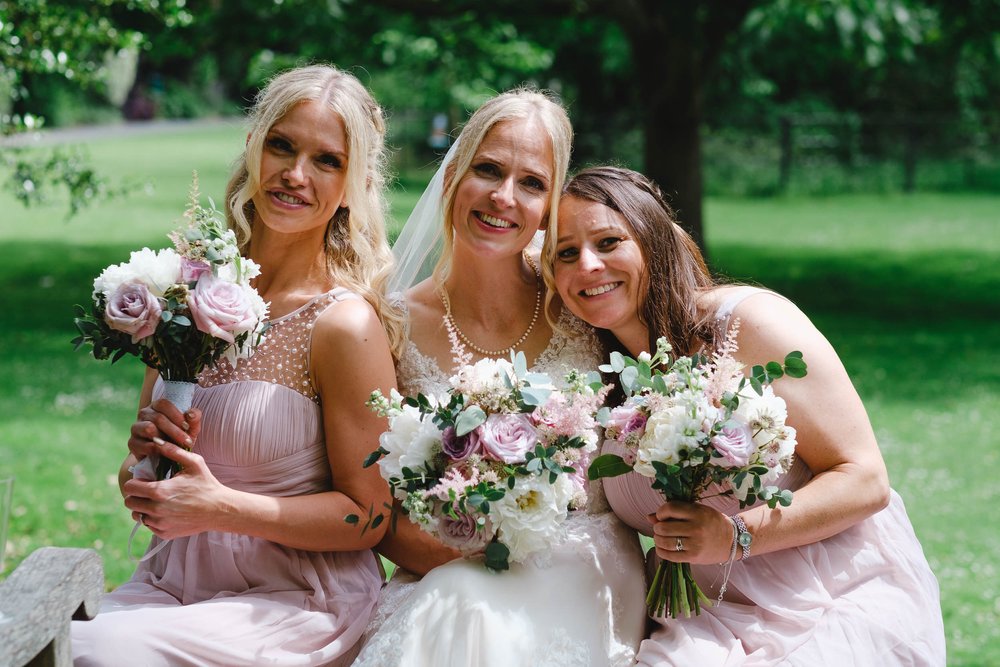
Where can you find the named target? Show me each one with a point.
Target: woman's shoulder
(347, 319)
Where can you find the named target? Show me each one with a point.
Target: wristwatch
(743, 536)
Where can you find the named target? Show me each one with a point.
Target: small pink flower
(506, 437)
(192, 270)
(221, 308)
(624, 421)
(131, 308)
(734, 443)
(463, 534)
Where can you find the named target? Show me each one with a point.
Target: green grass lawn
(906, 287)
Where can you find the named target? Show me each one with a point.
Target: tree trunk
(669, 78)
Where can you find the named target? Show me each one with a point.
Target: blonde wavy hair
(516, 104)
(357, 250)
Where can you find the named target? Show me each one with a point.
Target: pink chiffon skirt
(865, 596)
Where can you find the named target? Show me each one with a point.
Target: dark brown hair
(674, 269)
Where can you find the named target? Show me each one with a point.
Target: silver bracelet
(743, 536)
(727, 567)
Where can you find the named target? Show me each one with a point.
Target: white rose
(530, 515)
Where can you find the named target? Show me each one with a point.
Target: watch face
(745, 539)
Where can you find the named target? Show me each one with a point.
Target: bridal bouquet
(691, 422)
(495, 466)
(178, 309)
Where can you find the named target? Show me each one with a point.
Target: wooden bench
(49, 588)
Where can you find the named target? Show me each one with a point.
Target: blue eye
(278, 144)
(534, 183)
(567, 254)
(330, 161)
(486, 169)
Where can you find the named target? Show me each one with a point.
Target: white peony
(670, 432)
(530, 516)
(487, 377)
(158, 270)
(410, 442)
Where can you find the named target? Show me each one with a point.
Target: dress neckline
(442, 376)
(306, 305)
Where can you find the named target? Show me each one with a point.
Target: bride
(581, 603)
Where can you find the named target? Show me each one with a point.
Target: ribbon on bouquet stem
(181, 394)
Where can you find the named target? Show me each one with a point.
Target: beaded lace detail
(573, 345)
(283, 357)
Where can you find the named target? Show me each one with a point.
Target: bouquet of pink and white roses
(178, 309)
(691, 422)
(495, 467)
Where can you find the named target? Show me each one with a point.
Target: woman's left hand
(703, 535)
(193, 501)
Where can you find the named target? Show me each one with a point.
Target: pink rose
(463, 534)
(221, 308)
(624, 421)
(192, 270)
(734, 443)
(507, 438)
(458, 448)
(133, 309)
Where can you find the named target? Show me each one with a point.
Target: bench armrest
(37, 601)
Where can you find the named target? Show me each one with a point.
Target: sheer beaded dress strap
(736, 296)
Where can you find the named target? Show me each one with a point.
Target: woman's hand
(705, 535)
(193, 501)
(161, 419)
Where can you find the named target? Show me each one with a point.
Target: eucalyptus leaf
(603, 415)
(520, 364)
(617, 362)
(533, 396)
(469, 419)
(629, 377)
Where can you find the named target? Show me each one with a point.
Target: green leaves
(496, 556)
(794, 367)
(607, 465)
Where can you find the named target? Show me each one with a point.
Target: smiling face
(599, 267)
(502, 199)
(303, 169)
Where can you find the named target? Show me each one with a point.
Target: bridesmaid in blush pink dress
(251, 562)
(837, 578)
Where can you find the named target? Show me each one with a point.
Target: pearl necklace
(452, 325)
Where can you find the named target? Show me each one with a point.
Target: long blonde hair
(512, 105)
(357, 250)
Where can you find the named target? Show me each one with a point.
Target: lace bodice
(283, 356)
(573, 345)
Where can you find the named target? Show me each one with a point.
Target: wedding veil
(419, 243)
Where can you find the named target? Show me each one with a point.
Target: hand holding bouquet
(495, 468)
(179, 309)
(691, 422)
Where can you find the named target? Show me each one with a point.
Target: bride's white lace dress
(579, 605)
